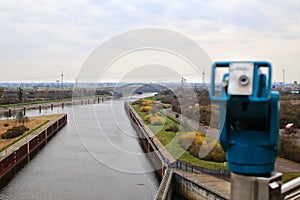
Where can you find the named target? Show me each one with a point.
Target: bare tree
(20, 94)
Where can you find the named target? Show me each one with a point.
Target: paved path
(283, 165)
(209, 182)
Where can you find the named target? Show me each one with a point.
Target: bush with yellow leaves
(157, 120)
(192, 141)
(147, 118)
(187, 138)
(145, 108)
(146, 102)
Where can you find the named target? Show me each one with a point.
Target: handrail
(168, 184)
(290, 187)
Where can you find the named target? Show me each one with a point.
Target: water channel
(95, 156)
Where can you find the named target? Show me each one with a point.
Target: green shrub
(216, 154)
(135, 102)
(157, 120)
(14, 132)
(147, 118)
(173, 128)
(192, 141)
(186, 139)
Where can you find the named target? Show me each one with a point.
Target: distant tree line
(288, 148)
(287, 96)
(20, 94)
(203, 105)
(289, 113)
(289, 109)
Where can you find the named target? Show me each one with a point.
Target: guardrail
(289, 189)
(192, 168)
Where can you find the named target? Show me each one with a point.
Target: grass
(140, 113)
(170, 141)
(177, 121)
(24, 135)
(152, 98)
(47, 101)
(35, 102)
(287, 176)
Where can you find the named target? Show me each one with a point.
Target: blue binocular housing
(248, 115)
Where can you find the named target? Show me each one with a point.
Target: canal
(95, 156)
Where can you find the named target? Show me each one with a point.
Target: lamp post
(142, 184)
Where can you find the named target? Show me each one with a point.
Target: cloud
(63, 33)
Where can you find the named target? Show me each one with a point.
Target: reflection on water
(77, 165)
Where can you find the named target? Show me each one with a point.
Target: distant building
(295, 84)
(295, 89)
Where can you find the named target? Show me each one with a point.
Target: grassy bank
(171, 142)
(152, 98)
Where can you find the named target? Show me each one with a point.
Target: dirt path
(283, 165)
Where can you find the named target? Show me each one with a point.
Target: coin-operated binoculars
(249, 127)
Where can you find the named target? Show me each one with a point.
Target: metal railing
(192, 168)
(291, 189)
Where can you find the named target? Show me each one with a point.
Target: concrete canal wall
(205, 187)
(28, 147)
(156, 152)
(10, 110)
(193, 186)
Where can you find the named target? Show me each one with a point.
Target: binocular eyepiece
(248, 115)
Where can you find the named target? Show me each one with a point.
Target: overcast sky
(40, 38)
